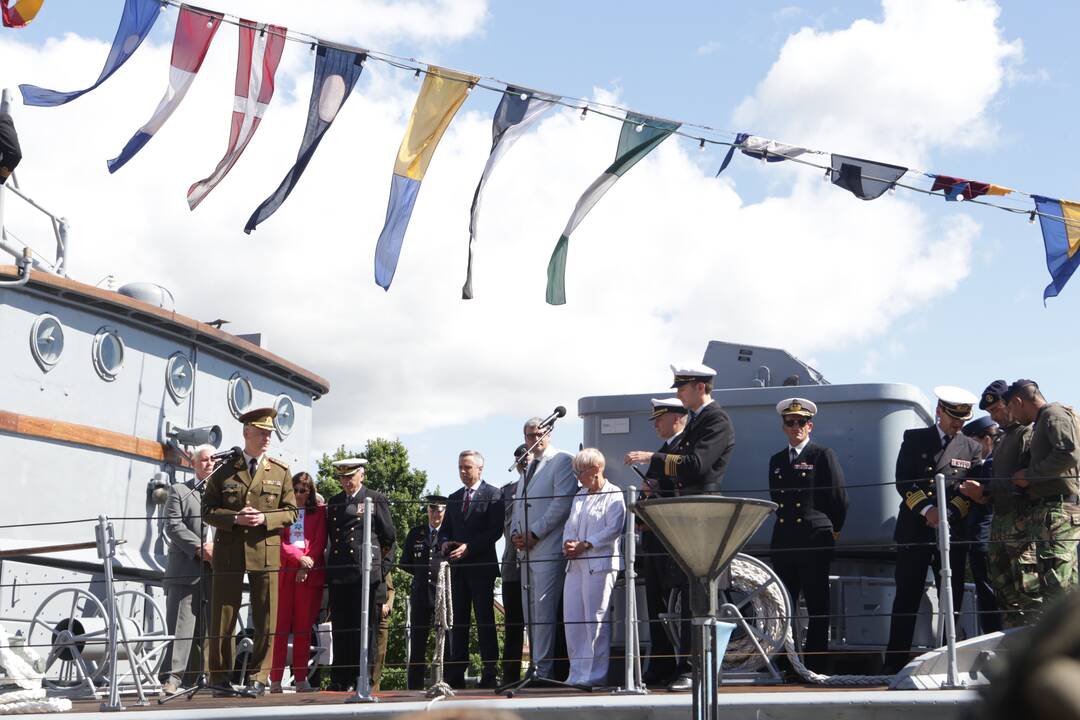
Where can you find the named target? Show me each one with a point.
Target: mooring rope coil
(443, 621)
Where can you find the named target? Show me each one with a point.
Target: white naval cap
(796, 406)
(348, 466)
(663, 406)
(956, 401)
(691, 372)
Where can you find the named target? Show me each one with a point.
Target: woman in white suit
(591, 546)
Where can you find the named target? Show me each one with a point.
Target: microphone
(225, 454)
(549, 421)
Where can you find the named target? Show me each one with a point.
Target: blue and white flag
(519, 110)
(336, 73)
(135, 24)
(194, 32)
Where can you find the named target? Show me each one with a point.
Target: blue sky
(696, 62)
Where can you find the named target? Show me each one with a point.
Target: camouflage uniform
(1010, 510)
(1048, 566)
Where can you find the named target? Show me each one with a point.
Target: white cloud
(710, 47)
(668, 260)
(368, 22)
(920, 78)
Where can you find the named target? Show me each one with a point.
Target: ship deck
(794, 702)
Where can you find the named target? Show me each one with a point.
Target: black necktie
(794, 454)
(434, 538)
(465, 505)
(251, 466)
(945, 439)
(532, 471)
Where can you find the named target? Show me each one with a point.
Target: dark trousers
(560, 668)
(420, 612)
(346, 608)
(661, 577)
(911, 565)
(473, 591)
(806, 573)
(513, 631)
(985, 600)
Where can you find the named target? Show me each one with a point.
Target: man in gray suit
(537, 526)
(188, 551)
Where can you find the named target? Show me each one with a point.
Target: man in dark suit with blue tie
(474, 523)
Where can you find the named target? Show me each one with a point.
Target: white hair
(531, 423)
(204, 448)
(472, 453)
(587, 458)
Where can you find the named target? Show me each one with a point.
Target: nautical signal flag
(864, 179)
(336, 73)
(135, 23)
(761, 149)
(257, 59)
(1060, 222)
(21, 13)
(195, 29)
(518, 111)
(640, 136)
(956, 188)
(441, 95)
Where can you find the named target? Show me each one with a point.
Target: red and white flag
(256, 64)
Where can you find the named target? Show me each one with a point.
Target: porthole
(47, 341)
(108, 353)
(240, 395)
(286, 415)
(179, 376)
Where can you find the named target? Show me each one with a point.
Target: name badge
(804, 466)
(956, 463)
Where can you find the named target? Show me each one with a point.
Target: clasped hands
(522, 542)
(574, 548)
(249, 517)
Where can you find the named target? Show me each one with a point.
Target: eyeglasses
(800, 421)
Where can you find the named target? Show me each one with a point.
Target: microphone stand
(531, 673)
(203, 681)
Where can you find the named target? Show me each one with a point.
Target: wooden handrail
(87, 436)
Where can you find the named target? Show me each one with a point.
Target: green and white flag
(640, 135)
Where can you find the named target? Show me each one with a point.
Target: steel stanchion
(363, 679)
(632, 679)
(106, 550)
(945, 596)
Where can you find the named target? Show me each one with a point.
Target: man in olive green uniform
(1048, 567)
(1011, 507)
(248, 499)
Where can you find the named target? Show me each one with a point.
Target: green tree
(389, 472)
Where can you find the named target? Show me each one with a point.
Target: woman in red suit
(300, 584)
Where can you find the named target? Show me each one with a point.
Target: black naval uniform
(662, 576)
(696, 465)
(977, 533)
(921, 457)
(344, 572)
(811, 506)
(420, 559)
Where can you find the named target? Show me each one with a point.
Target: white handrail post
(363, 680)
(945, 596)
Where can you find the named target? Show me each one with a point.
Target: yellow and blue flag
(441, 95)
(1060, 222)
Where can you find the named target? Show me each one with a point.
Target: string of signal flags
(442, 93)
